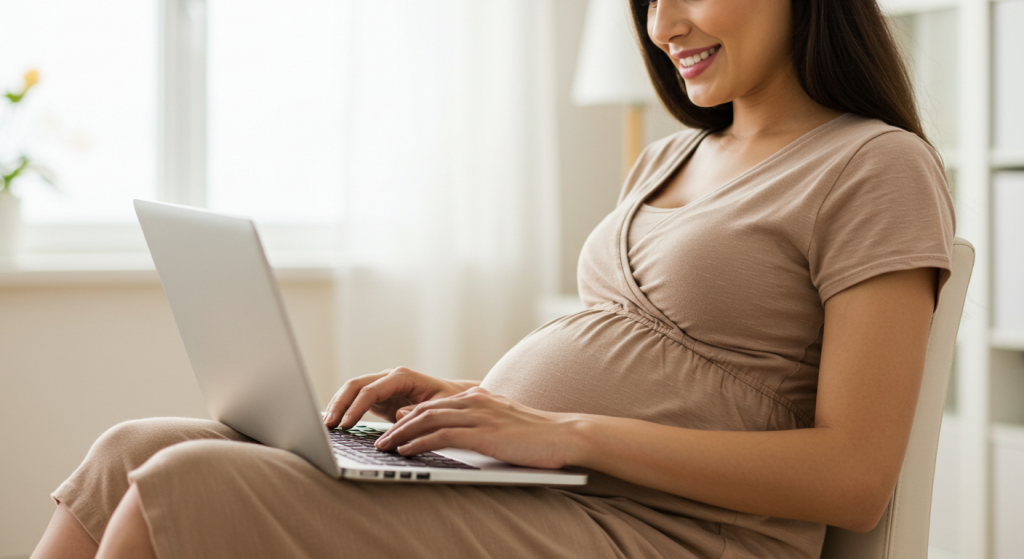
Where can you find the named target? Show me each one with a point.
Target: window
(92, 120)
(274, 77)
(234, 105)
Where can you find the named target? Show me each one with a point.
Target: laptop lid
(229, 312)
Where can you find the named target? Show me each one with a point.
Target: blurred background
(423, 175)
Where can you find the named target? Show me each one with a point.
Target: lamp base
(633, 134)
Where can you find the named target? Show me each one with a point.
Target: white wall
(76, 359)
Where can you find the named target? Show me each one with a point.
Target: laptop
(235, 330)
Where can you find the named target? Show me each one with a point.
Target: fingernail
(344, 419)
(328, 417)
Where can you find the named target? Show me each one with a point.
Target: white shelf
(1007, 159)
(1008, 490)
(903, 7)
(1008, 435)
(1003, 339)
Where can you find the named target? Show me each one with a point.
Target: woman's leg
(86, 500)
(65, 538)
(225, 500)
(127, 535)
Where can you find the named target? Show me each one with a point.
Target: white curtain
(450, 230)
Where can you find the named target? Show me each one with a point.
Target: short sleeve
(890, 209)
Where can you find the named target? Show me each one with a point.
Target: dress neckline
(688, 153)
(657, 210)
(627, 219)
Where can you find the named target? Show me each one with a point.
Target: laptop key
(358, 445)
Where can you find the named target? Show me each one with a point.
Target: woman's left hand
(486, 423)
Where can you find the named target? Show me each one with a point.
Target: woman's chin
(705, 99)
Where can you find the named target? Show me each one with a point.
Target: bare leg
(127, 534)
(65, 537)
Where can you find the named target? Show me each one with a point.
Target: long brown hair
(845, 56)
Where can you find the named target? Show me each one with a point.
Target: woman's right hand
(389, 394)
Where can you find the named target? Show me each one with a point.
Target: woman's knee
(195, 469)
(133, 442)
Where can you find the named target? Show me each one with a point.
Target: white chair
(902, 533)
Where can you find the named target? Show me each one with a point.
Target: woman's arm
(840, 472)
(843, 470)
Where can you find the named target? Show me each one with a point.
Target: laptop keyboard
(357, 444)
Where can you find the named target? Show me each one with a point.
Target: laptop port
(424, 476)
(389, 475)
(405, 475)
(367, 473)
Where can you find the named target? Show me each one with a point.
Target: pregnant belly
(603, 363)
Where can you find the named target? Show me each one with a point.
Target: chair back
(910, 506)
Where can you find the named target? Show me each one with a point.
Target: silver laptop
(231, 319)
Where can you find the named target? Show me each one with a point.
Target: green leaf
(9, 177)
(15, 97)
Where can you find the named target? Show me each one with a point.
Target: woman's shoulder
(870, 155)
(860, 138)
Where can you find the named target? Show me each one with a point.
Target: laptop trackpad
(475, 459)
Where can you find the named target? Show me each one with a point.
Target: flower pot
(10, 223)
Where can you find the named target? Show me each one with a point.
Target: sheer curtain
(450, 183)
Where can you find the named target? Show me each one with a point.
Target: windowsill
(137, 268)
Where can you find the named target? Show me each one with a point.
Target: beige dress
(709, 318)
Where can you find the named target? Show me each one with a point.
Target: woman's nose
(667, 21)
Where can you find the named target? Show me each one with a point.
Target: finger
(346, 394)
(386, 410)
(458, 401)
(391, 386)
(456, 437)
(402, 412)
(425, 423)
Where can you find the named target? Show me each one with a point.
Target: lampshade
(610, 69)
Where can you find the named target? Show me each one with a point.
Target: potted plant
(13, 167)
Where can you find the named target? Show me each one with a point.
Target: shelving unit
(1013, 341)
(967, 60)
(1007, 159)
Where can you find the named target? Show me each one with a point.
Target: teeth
(691, 60)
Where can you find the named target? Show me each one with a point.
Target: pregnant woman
(745, 371)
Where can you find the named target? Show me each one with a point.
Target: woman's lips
(697, 62)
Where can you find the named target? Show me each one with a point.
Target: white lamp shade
(610, 68)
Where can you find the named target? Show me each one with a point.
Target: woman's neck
(779, 107)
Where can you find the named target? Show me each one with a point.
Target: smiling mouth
(691, 60)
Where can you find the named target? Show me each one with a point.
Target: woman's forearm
(809, 474)
(841, 471)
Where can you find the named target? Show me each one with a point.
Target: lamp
(610, 70)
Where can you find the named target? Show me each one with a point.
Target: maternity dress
(710, 317)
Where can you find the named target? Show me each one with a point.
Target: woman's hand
(486, 423)
(389, 394)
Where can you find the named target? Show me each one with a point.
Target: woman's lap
(208, 493)
(96, 487)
